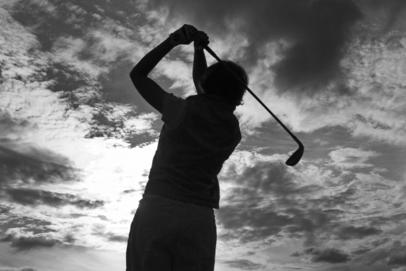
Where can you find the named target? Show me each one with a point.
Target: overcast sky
(77, 140)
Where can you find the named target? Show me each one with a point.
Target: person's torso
(191, 154)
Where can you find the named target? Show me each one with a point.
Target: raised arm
(199, 62)
(147, 87)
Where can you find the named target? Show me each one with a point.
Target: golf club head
(296, 156)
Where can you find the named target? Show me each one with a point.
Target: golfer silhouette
(174, 227)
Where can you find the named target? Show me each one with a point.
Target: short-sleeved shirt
(198, 135)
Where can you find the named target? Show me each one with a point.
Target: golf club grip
(211, 52)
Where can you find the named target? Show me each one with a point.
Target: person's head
(220, 80)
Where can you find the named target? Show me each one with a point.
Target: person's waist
(184, 191)
(149, 197)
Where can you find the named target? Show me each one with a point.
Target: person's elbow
(136, 75)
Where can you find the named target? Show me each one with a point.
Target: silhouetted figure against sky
(174, 227)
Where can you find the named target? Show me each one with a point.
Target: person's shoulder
(197, 100)
(195, 97)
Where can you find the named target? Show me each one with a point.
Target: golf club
(297, 155)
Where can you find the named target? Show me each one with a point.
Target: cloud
(5, 210)
(15, 42)
(37, 197)
(30, 224)
(123, 122)
(34, 165)
(347, 158)
(349, 103)
(353, 232)
(397, 255)
(244, 264)
(67, 49)
(17, 269)
(22, 243)
(65, 78)
(387, 14)
(316, 29)
(374, 71)
(40, 15)
(329, 255)
(117, 238)
(267, 200)
(398, 259)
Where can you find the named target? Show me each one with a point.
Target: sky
(77, 140)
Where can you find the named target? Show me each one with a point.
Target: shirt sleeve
(173, 110)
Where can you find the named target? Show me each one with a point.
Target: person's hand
(201, 39)
(184, 35)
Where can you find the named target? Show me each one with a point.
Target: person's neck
(220, 99)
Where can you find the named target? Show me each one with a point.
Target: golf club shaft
(211, 52)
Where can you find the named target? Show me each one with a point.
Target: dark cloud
(117, 86)
(28, 243)
(244, 264)
(30, 225)
(4, 210)
(329, 255)
(34, 164)
(251, 224)
(71, 18)
(128, 191)
(37, 197)
(352, 232)
(17, 269)
(8, 124)
(66, 78)
(268, 202)
(46, 25)
(343, 198)
(398, 259)
(69, 238)
(386, 252)
(397, 254)
(317, 28)
(117, 238)
(107, 123)
(392, 8)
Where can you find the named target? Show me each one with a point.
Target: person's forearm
(199, 64)
(150, 60)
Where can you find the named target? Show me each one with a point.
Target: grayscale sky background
(77, 141)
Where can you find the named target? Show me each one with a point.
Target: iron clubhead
(296, 156)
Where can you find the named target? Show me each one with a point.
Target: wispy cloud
(244, 264)
(351, 158)
(17, 269)
(37, 197)
(35, 166)
(265, 202)
(26, 243)
(330, 255)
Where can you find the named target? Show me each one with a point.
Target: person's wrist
(198, 46)
(171, 41)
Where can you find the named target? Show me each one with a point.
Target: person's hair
(220, 80)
